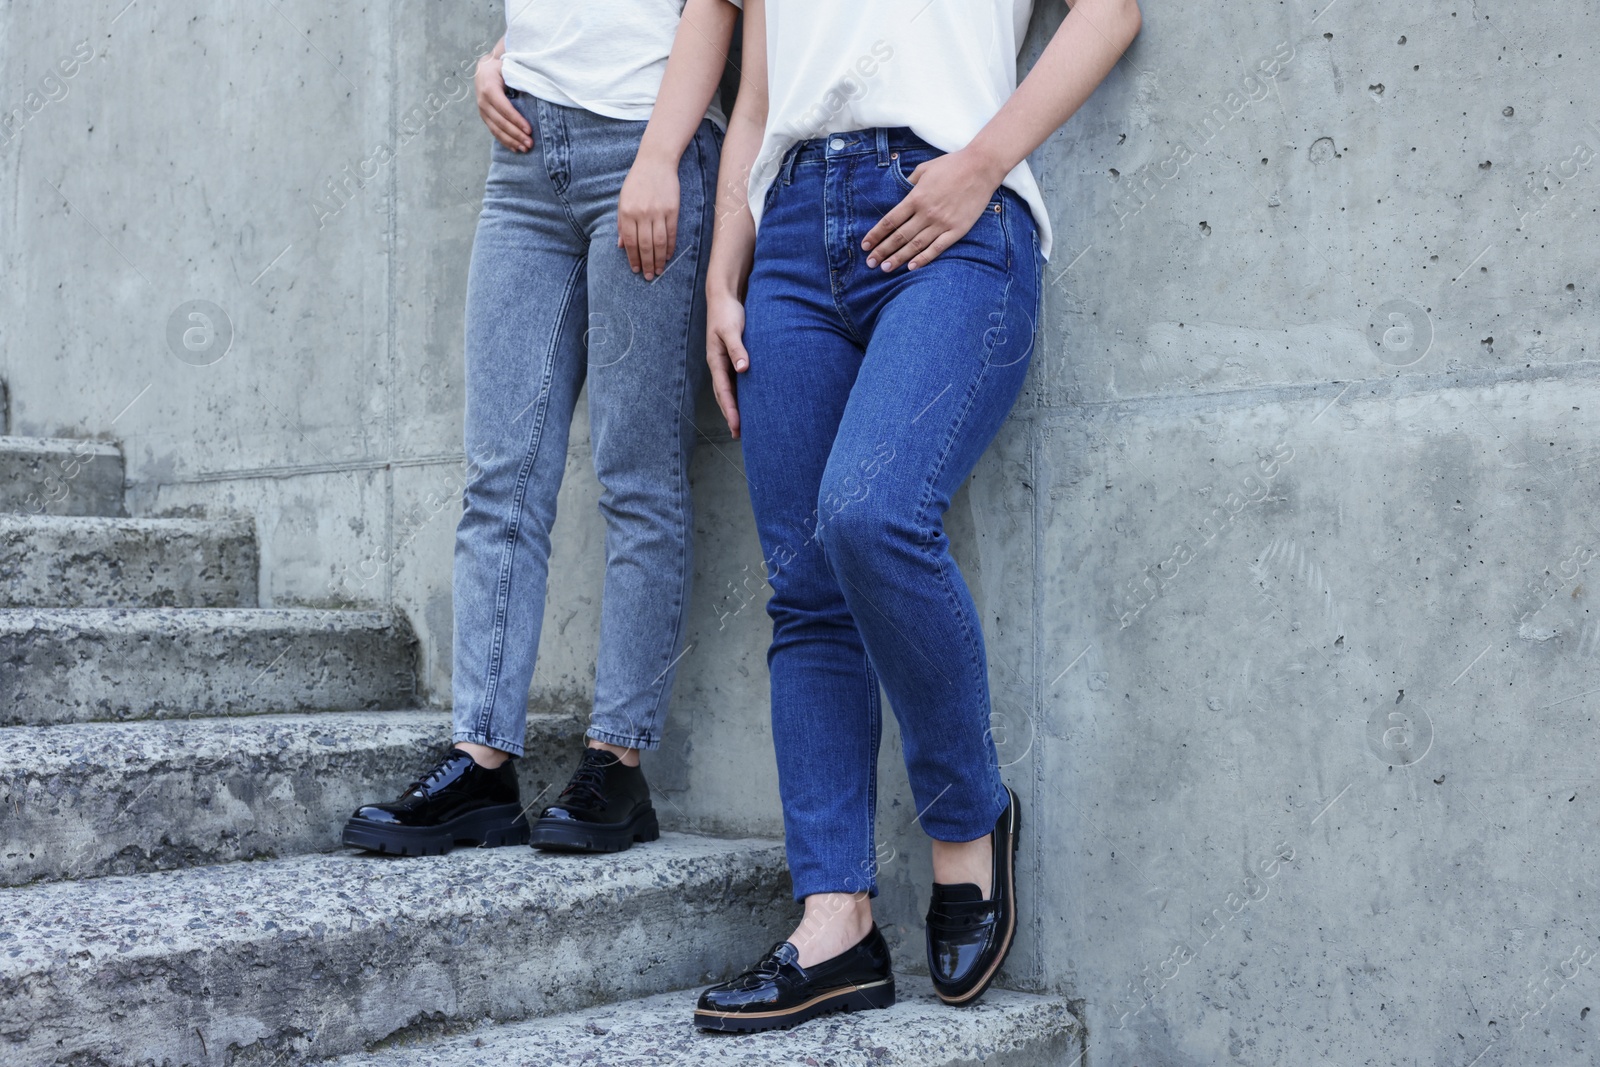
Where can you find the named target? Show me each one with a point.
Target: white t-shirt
(605, 56)
(941, 67)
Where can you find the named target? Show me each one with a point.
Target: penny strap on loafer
(969, 937)
(959, 907)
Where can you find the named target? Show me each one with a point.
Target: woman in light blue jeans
(588, 268)
(867, 342)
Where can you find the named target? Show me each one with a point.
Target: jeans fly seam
(835, 281)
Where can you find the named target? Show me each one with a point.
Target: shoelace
(429, 778)
(590, 776)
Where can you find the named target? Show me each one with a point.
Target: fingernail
(871, 262)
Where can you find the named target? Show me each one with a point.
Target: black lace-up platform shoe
(604, 808)
(777, 993)
(457, 802)
(969, 937)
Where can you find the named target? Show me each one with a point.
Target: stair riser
(56, 674)
(44, 565)
(74, 478)
(282, 999)
(217, 791)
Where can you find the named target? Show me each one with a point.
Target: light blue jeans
(551, 304)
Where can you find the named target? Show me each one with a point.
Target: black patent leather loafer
(604, 808)
(969, 937)
(457, 802)
(777, 993)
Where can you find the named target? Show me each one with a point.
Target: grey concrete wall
(1283, 557)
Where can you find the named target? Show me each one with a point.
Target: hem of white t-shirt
(524, 80)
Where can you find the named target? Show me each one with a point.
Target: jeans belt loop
(883, 145)
(786, 172)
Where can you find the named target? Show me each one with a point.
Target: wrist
(721, 286)
(653, 152)
(990, 165)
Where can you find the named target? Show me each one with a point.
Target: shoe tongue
(959, 893)
(786, 953)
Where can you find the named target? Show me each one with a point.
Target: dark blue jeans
(868, 401)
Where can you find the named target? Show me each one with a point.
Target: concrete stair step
(97, 664)
(85, 800)
(50, 561)
(1004, 1029)
(60, 476)
(279, 961)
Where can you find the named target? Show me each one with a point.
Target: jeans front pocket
(903, 162)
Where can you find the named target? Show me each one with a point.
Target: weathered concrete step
(60, 476)
(279, 961)
(49, 561)
(1004, 1029)
(84, 800)
(89, 664)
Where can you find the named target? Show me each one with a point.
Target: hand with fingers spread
(952, 191)
(647, 214)
(725, 352)
(503, 120)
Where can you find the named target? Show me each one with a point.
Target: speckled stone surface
(98, 664)
(85, 800)
(50, 476)
(1004, 1029)
(49, 561)
(273, 962)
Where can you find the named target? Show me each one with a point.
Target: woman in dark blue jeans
(871, 300)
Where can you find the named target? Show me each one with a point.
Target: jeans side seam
(924, 521)
(519, 496)
(875, 718)
(684, 497)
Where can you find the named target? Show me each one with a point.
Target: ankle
(484, 756)
(833, 923)
(629, 757)
(958, 862)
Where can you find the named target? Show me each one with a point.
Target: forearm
(499, 48)
(694, 69)
(1085, 47)
(734, 238)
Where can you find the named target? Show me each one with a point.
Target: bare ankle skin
(628, 756)
(483, 755)
(955, 862)
(833, 922)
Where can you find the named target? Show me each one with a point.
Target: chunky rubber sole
(503, 824)
(567, 835)
(850, 998)
(958, 998)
